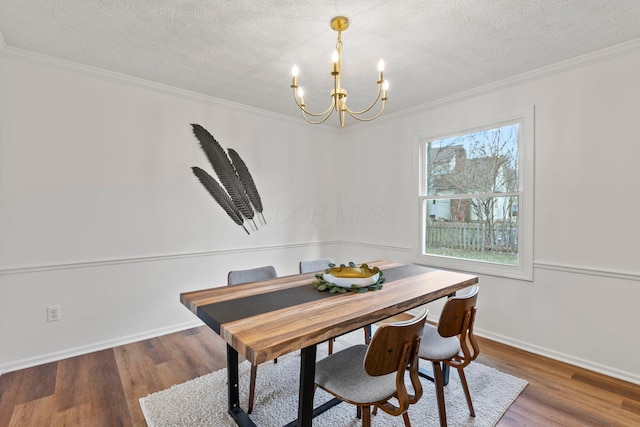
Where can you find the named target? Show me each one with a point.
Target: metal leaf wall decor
(237, 195)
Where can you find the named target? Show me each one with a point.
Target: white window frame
(524, 269)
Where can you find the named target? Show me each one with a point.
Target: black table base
(306, 411)
(428, 374)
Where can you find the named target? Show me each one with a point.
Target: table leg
(239, 415)
(307, 385)
(428, 374)
(306, 411)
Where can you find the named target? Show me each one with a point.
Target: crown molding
(602, 55)
(112, 76)
(581, 61)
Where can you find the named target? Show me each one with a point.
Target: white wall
(582, 304)
(100, 212)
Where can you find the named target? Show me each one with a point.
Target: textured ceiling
(243, 50)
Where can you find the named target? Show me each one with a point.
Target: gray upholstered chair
(371, 375)
(452, 342)
(317, 265)
(237, 277)
(314, 265)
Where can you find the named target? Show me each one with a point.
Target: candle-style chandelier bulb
(338, 93)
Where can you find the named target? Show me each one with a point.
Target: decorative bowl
(346, 277)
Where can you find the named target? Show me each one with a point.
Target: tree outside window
(472, 182)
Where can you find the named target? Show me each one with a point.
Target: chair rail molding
(589, 271)
(6, 271)
(377, 246)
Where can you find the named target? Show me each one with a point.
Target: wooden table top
(265, 320)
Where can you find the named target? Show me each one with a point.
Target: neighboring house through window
(476, 192)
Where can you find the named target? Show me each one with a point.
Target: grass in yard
(510, 259)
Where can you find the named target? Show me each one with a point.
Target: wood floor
(102, 388)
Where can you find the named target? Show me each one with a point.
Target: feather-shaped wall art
(247, 181)
(237, 195)
(220, 196)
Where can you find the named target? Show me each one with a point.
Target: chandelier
(338, 93)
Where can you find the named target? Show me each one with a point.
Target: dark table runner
(228, 311)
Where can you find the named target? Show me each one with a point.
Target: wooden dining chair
(237, 277)
(371, 375)
(452, 342)
(317, 265)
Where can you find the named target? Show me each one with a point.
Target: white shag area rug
(203, 401)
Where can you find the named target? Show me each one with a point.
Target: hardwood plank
(33, 413)
(631, 406)
(103, 388)
(560, 394)
(22, 387)
(209, 347)
(95, 387)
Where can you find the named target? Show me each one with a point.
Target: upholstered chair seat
(350, 380)
(436, 347)
(374, 375)
(452, 343)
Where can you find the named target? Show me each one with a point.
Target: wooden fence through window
(500, 237)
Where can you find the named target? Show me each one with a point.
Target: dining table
(264, 320)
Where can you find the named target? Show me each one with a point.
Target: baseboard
(542, 351)
(78, 351)
(562, 357)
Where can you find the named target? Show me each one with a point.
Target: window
(475, 199)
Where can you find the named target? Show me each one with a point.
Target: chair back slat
(457, 314)
(387, 348)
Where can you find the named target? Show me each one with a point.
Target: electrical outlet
(53, 313)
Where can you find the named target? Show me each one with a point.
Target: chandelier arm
(368, 119)
(317, 122)
(357, 113)
(305, 111)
